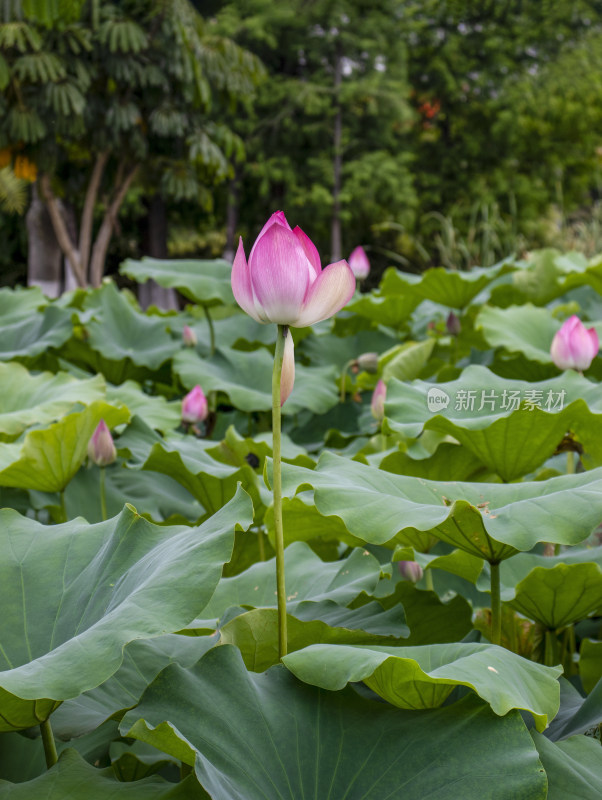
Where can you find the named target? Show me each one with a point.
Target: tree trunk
(44, 255)
(155, 245)
(231, 219)
(336, 246)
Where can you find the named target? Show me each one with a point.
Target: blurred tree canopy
(430, 131)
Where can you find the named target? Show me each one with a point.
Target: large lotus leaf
(537, 280)
(48, 458)
(202, 281)
(577, 714)
(448, 459)
(27, 337)
(408, 360)
(456, 289)
(390, 310)
(561, 595)
(591, 275)
(307, 578)
(255, 633)
(268, 736)
(246, 379)
(490, 415)
(590, 663)
(519, 329)
(491, 521)
(28, 399)
(20, 304)
(573, 767)
(328, 349)
(73, 595)
(302, 522)
(156, 496)
(72, 776)
(423, 677)
(143, 659)
(120, 332)
(155, 410)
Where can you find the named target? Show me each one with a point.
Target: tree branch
(85, 233)
(101, 245)
(60, 229)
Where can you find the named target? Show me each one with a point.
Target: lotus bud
(377, 404)
(283, 281)
(368, 362)
(101, 448)
(194, 406)
(189, 336)
(358, 261)
(410, 571)
(452, 323)
(287, 377)
(574, 346)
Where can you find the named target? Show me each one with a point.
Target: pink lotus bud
(101, 449)
(410, 571)
(377, 404)
(368, 362)
(194, 406)
(358, 261)
(287, 378)
(283, 281)
(452, 323)
(189, 336)
(574, 346)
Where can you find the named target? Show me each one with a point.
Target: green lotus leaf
(577, 714)
(258, 736)
(408, 360)
(590, 663)
(456, 289)
(327, 349)
(390, 310)
(48, 458)
(524, 329)
(143, 659)
(29, 399)
(573, 767)
(155, 410)
(132, 762)
(74, 594)
(20, 303)
(490, 416)
(307, 578)
(255, 633)
(490, 521)
(119, 332)
(423, 677)
(24, 338)
(560, 595)
(71, 774)
(246, 379)
(202, 281)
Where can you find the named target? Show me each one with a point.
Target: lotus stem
(344, 379)
(277, 488)
(49, 744)
(570, 462)
(211, 331)
(428, 580)
(103, 498)
(496, 604)
(62, 506)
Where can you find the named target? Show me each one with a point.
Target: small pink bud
(358, 261)
(194, 406)
(574, 346)
(377, 404)
(368, 362)
(189, 336)
(410, 571)
(101, 449)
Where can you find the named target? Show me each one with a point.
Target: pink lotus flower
(194, 406)
(410, 571)
(574, 346)
(377, 404)
(189, 336)
(283, 282)
(358, 261)
(101, 448)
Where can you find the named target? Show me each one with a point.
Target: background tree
(99, 95)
